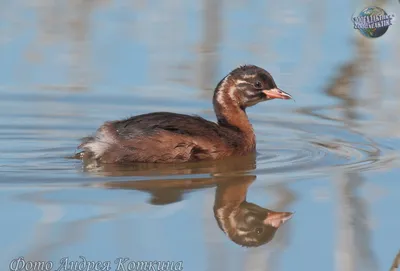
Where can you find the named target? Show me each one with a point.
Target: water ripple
(305, 148)
(287, 147)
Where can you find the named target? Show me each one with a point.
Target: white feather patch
(101, 143)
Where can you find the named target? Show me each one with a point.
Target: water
(332, 157)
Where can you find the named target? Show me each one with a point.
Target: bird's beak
(276, 219)
(277, 93)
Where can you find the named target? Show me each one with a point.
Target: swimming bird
(164, 137)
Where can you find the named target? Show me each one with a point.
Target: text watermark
(82, 264)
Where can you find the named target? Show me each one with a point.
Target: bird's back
(161, 137)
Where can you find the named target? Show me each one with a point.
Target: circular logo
(373, 22)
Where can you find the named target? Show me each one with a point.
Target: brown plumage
(164, 137)
(245, 223)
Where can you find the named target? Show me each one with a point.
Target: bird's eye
(259, 230)
(258, 84)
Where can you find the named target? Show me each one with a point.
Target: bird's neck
(228, 198)
(232, 193)
(231, 115)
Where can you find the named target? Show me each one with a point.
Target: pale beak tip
(286, 96)
(288, 216)
(278, 218)
(277, 93)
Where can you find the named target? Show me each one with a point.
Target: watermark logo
(373, 22)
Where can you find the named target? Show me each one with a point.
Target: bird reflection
(396, 263)
(245, 223)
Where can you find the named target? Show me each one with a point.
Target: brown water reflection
(396, 263)
(231, 165)
(245, 223)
